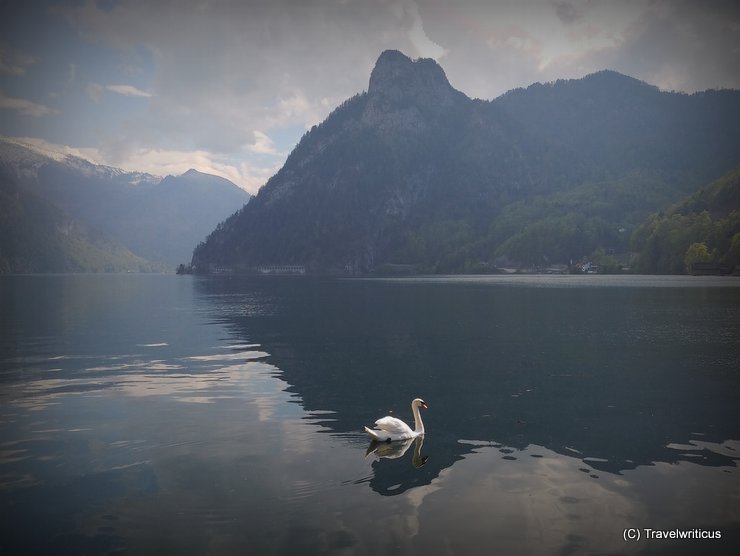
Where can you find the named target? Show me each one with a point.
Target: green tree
(733, 254)
(697, 253)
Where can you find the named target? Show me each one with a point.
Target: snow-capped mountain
(158, 219)
(23, 159)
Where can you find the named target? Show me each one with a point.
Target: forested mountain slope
(704, 228)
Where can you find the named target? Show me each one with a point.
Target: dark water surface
(186, 415)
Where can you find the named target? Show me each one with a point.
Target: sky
(230, 86)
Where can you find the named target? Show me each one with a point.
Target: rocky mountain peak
(398, 77)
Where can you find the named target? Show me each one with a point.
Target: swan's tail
(373, 434)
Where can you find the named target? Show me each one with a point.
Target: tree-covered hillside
(705, 228)
(36, 236)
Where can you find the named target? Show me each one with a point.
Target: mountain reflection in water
(615, 376)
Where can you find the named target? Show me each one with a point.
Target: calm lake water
(185, 415)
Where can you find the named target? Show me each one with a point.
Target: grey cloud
(224, 70)
(567, 12)
(24, 106)
(680, 46)
(13, 62)
(674, 44)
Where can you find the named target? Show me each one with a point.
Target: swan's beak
(424, 405)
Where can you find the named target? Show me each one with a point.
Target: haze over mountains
(61, 213)
(414, 172)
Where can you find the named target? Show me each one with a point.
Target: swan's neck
(418, 423)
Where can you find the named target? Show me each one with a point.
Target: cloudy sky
(229, 86)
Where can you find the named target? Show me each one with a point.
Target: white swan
(390, 429)
(395, 450)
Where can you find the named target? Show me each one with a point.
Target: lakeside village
(583, 266)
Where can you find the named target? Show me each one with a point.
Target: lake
(223, 415)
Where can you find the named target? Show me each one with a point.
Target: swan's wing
(393, 426)
(391, 450)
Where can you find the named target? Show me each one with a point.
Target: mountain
(616, 122)
(704, 228)
(159, 220)
(414, 172)
(24, 162)
(163, 222)
(36, 236)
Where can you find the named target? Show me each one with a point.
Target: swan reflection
(395, 450)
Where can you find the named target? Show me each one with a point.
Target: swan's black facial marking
(388, 440)
(424, 404)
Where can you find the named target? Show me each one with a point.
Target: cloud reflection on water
(134, 376)
(542, 503)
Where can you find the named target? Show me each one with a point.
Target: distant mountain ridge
(620, 121)
(142, 220)
(413, 172)
(22, 160)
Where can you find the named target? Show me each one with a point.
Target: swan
(391, 429)
(395, 450)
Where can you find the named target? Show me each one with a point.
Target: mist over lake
(198, 415)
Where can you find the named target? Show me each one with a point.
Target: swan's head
(418, 402)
